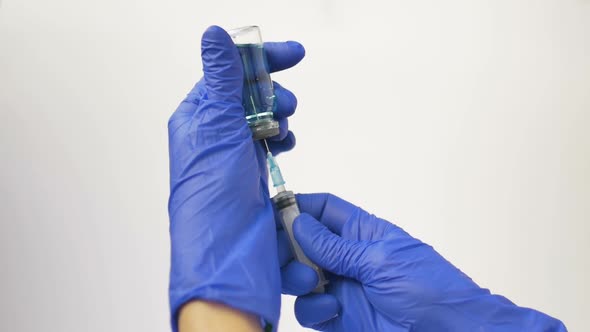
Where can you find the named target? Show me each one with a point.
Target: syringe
(288, 210)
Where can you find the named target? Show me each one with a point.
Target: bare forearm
(197, 316)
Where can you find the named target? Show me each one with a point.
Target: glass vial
(258, 96)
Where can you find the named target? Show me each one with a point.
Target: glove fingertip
(286, 102)
(297, 48)
(221, 65)
(283, 55)
(298, 279)
(287, 144)
(314, 309)
(213, 29)
(214, 35)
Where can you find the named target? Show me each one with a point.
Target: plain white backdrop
(465, 122)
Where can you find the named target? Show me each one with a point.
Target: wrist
(199, 315)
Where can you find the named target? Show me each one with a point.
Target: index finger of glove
(330, 210)
(344, 218)
(283, 55)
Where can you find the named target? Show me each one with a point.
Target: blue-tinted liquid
(258, 96)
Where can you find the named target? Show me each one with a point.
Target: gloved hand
(385, 280)
(222, 229)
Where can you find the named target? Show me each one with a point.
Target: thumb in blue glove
(385, 280)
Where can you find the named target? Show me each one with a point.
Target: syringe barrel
(288, 210)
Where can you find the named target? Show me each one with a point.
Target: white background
(465, 122)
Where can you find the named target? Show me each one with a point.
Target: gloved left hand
(222, 229)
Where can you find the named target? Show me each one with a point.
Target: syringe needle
(266, 144)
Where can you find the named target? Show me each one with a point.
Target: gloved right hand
(386, 280)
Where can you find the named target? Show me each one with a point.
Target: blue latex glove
(385, 280)
(222, 229)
